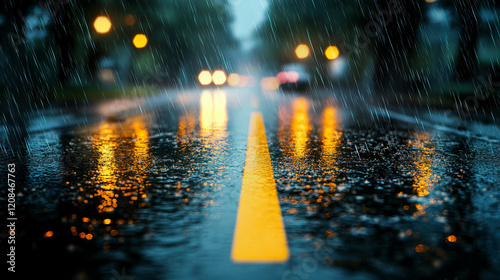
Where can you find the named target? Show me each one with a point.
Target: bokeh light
(140, 41)
(205, 77)
(287, 77)
(129, 20)
(332, 52)
(292, 76)
(102, 24)
(302, 51)
(451, 238)
(282, 77)
(233, 80)
(219, 77)
(270, 83)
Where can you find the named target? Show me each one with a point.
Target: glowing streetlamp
(332, 52)
(102, 24)
(302, 51)
(140, 41)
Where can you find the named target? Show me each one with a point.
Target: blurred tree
(17, 100)
(183, 35)
(396, 41)
(318, 24)
(63, 12)
(180, 33)
(13, 45)
(467, 13)
(386, 30)
(292, 22)
(194, 35)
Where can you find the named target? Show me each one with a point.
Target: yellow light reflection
(186, 129)
(220, 112)
(209, 141)
(106, 162)
(331, 135)
(284, 137)
(423, 175)
(213, 114)
(114, 160)
(141, 150)
(206, 110)
(300, 126)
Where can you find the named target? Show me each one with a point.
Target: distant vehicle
(294, 77)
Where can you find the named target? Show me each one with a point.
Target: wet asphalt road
(156, 196)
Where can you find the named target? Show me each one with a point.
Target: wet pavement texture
(155, 196)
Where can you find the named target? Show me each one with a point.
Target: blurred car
(294, 77)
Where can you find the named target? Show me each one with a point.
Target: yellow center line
(259, 234)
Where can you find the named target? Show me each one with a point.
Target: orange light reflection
(300, 126)
(213, 115)
(331, 136)
(113, 162)
(423, 176)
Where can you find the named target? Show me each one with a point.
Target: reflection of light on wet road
(331, 136)
(141, 150)
(213, 114)
(206, 110)
(106, 167)
(220, 112)
(300, 126)
(259, 234)
(423, 162)
(114, 162)
(186, 129)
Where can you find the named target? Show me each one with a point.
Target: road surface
(242, 184)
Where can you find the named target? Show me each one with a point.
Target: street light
(140, 41)
(332, 52)
(102, 24)
(302, 51)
